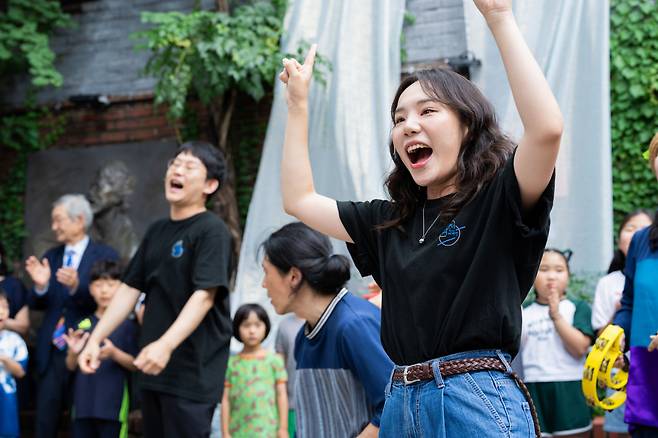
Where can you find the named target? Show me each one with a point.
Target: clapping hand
(39, 271)
(153, 358)
(68, 277)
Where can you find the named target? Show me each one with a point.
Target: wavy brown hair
(483, 152)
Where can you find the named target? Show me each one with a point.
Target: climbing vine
(25, 26)
(634, 102)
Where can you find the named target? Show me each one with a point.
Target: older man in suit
(61, 289)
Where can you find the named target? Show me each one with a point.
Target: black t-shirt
(462, 289)
(175, 259)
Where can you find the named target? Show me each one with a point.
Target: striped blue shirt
(342, 370)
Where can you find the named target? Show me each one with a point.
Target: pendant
(421, 241)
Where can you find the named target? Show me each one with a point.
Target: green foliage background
(634, 102)
(25, 26)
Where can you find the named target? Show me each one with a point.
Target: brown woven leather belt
(424, 371)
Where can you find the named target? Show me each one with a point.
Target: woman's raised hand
(491, 8)
(297, 78)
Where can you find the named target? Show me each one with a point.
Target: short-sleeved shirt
(284, 344)
(342, 370)
(13, 346)
(463, 287)
(175, 259)
(104, 394)
(16, 293)
(545, 358)
(606, 298)
(252, 394)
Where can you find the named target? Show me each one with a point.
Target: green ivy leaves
(634, 102)
(208, 53)
(25, 26)
(24, 42)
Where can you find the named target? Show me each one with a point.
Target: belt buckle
(404, 376)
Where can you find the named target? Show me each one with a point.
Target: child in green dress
(255, 401)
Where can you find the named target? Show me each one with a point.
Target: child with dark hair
(255, 401)
(13, 363)
(557, 333)
(638, 316)
(100, 400)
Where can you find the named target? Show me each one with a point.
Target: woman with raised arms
(457, 246)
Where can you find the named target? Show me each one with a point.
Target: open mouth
(419, 154)
(175, 184)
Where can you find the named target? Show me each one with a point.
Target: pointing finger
(310, 57)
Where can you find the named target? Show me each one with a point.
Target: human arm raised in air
(540, 114)
(299, 196)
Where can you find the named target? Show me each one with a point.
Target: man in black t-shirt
(182, 265)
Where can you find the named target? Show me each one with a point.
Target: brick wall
(123, 121)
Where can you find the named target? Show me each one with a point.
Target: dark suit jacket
(57, 301)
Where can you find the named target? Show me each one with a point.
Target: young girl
(255, 401)
(457, 247)
(608, 295)
(638, 316)
(557, 332)
(609, 288)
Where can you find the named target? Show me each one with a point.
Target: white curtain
(349, 119)
(570, 41)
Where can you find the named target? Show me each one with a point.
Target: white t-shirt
(12, 346)
(609, 290)
(544, 356)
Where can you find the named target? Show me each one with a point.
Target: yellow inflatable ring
(598, 370)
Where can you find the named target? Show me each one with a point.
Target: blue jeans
(477, 404)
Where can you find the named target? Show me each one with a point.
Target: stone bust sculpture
(108, 193)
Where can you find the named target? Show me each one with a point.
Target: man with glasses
(182, 265)
(61, 289)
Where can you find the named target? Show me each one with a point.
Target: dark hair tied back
(297, 245)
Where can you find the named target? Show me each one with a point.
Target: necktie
(68, 258)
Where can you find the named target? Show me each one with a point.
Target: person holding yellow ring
(638, 316)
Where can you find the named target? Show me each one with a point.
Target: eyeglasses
(189, 166)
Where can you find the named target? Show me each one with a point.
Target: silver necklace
(422, 238)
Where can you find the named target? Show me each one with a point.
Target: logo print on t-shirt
(450, 235)
(177, 249)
